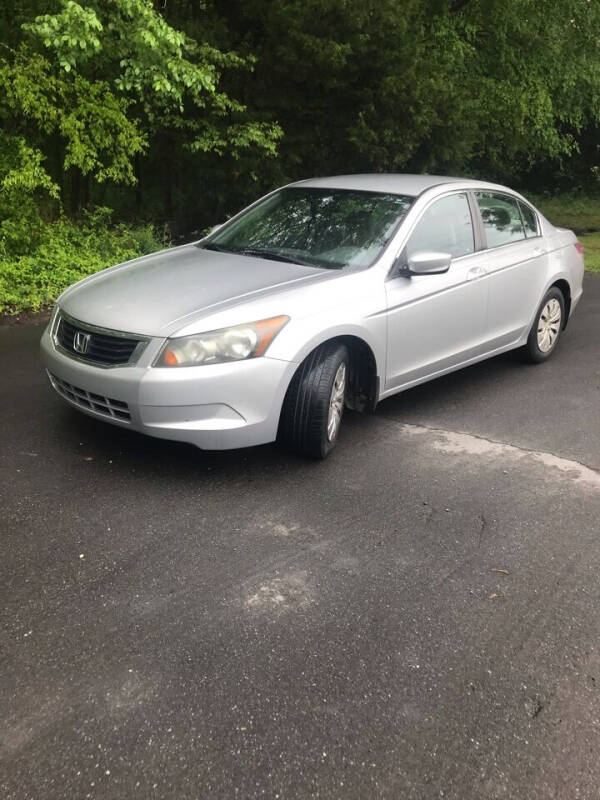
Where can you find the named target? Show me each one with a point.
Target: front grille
(95, 346)
(115, 409)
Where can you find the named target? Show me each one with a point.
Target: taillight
(579, 248)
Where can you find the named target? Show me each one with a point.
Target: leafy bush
(64, 252)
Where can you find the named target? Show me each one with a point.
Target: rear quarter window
(529, 220)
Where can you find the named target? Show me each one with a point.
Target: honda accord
(326, 294)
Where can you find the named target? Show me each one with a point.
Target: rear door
(516, 263)
(437, 321)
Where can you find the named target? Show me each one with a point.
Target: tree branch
(458, 5)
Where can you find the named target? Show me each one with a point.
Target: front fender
(373, 339)
(289, 346)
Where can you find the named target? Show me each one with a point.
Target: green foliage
(184, 112)
(23, 182)
(22, 179)
(21, 169)
(65, 252)
(443, 85)
(95, 132)
(73, 33)
(154, 67)
(96, 81)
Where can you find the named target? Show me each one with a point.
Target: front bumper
(215, 407)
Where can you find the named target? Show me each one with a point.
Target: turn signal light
(170, 358)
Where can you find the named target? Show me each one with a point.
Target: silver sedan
(326, 294)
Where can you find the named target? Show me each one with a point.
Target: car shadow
(461, 386)
(150, 456)
(147, 455)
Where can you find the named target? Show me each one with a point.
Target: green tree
(93, 85)
(176, 110)
(490, 87)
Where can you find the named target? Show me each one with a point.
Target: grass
(591, 251)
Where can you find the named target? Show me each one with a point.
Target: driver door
(436, 322)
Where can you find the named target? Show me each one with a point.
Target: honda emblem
(80, 342)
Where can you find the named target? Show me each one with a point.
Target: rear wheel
(314, 404)
(546, 329)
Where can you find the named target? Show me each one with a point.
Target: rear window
(501, 218)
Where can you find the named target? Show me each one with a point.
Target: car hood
(158, 294)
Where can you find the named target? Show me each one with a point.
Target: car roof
(394, 183)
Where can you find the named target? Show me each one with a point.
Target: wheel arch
(563, 285)
(561, 281)
(363, 387)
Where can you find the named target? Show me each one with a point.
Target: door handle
(476, 272)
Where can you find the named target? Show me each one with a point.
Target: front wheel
(546, 329)
(314, 404)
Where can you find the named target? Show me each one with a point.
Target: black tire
(305, 412)
(531, 351)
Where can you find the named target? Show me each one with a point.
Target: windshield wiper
(217, 247)
(274, 256)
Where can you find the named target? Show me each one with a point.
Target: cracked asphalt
(416, 617)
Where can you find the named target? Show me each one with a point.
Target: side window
(446, 227)
(530, 220)
(501, 218)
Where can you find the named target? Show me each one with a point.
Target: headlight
(215, 347)
(52, 320)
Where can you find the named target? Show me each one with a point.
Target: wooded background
(179, 113)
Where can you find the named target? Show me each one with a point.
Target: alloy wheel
(336, 402)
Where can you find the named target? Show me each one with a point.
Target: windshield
(332, 228)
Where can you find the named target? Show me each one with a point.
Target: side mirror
(428, 262)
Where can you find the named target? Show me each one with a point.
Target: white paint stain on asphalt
(455, 443)
(282, 529)
(36, 715)
(286, 592)
(128, 693)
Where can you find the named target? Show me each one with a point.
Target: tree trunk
(75, 203)
(138, 185)
(168, 186)
(85, 181)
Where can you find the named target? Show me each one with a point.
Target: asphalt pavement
(416, 617)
